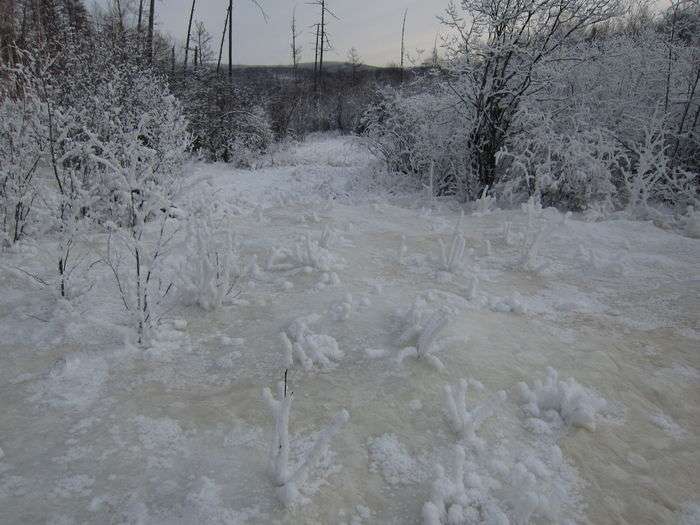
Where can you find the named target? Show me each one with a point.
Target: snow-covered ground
(96, 430)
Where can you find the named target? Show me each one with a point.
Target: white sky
(371, 26)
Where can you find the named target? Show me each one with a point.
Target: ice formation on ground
(302, 346)
(287, 480)
(560, 402)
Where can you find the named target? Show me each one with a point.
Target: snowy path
(96, 431)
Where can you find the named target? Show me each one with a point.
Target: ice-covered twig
(466, 422)
(287, 481)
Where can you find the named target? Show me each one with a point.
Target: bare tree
(202, 40)
(497, 57)
(323, 40)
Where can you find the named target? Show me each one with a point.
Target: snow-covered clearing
(96, 430)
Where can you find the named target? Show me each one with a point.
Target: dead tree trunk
(316, 61)
(189, 32)
(322, 43)
(151, 20)
(223, 37)
(230, 39)
(403, 41)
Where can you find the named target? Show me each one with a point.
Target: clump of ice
(388, 456)
(75, 379)
(302, 346)
(306, 254)
(204, 504)
(560, 402)
(509, 482)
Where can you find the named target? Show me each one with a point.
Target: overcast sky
(371, 26)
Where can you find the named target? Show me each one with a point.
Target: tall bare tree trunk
(149, 38)
(322, 43)
(7, 30)
(403, 40)
(316, 61)
(223, 37)
(139, 26)
(189, 32)
(230, 39)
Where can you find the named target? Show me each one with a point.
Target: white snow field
(541, 368)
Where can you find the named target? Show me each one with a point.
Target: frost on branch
(306, 348)
(560, 402)
(464, 421)
(287, 480)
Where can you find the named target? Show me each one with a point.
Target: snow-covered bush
(287, 478)
(416, 132)
(251, 137)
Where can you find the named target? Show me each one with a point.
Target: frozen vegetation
(97, 427)
(489, 257)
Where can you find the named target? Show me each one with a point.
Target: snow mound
(74, 380)
(503, 484)
(390, 457)
(560, 402)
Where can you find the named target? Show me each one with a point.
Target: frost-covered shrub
(250, 138)
(417, 132)
(138, 139)
(23, 146)
(565, 163)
